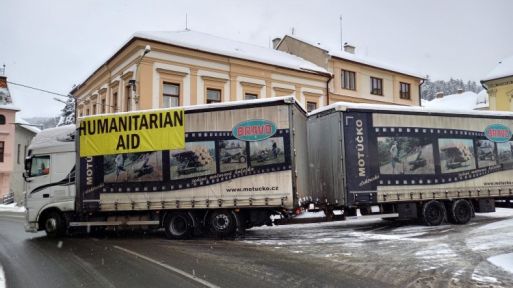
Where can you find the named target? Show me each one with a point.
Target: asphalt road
(148, 260)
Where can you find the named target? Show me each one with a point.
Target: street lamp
(132, 82)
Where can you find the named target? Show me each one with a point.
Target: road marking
(176, 270)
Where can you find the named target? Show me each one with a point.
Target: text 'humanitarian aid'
(132, 132)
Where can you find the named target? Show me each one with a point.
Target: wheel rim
(434, 214)
(221, 222)
(178, 226)
(462, 212)
(51, 225)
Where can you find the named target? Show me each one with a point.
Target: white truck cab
(50, 179)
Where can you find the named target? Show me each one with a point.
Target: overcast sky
(55, 44)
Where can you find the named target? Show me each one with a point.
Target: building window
(376, 86)
(2, 148)
(40, 166)
(103, 106)
(128, 99)
(2, 119)
(348, 80)
(405, 91)
(87, 112)
(171, 95)
(250, 96)
(94, 109)
(115, 102)
(310, 106)
(213, 96)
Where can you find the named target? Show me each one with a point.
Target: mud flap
(240, 228)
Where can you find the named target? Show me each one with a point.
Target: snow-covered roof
(465, 101)
(232, 48)
(336, 52)
(343, 106)
(54, 139)
(503, 69)
(23, 123)
(230, 104)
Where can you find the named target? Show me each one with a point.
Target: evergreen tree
(430, 88)
(68, 112)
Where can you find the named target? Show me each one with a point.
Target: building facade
(499, 85)
(7, 130)
(355, 78)
(167, 69)
(24, 132)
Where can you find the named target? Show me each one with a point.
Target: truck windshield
(40, 166)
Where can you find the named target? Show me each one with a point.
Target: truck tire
(460, 212)
(242, 159)
(55, 225)
(222, 223)
(178, 225)
(433, 213)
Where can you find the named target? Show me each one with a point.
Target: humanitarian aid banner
(132, 132)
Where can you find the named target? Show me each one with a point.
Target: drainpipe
(328, 89)
(420, 94)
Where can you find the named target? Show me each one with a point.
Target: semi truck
(222, 168)
(431, 165)
(216, 168)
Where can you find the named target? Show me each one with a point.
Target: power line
(39, 89)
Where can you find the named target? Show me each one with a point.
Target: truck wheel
(222, 223)
(433, 213)
(461, 212)
(178, 225)
(55, 225)
(242, 159)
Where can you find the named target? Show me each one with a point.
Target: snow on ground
(504, 261)
(11, 208)
(404, 252)
(2, 277)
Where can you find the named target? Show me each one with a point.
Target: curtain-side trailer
(236, 164)
(428, 164)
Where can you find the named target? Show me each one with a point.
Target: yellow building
(357, 78)
(166, 69)
(499, 84)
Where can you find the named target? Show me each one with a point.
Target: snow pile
(483, 100)
(503, 69)
(504, 261)
(2, 277)
(217, 45)
(464, 101)
(11, 208)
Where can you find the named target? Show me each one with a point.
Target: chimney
(439, 95)
(276, 41)
(349, 48)
(460, 90)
